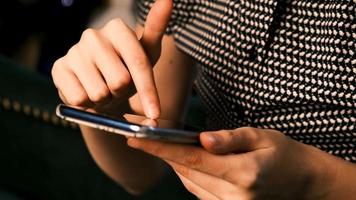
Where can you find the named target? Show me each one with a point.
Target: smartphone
(131, 125)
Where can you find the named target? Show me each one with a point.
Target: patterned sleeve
(142, 7)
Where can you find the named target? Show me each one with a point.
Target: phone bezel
(128, 129)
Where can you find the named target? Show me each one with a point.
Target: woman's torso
(285, 65)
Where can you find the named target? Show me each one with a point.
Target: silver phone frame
(144, 132)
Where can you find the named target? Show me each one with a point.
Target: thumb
(155, 27)
(240, 140)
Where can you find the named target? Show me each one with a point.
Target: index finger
(126, 44)
(233, 168)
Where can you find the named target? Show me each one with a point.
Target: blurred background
(42, 157)
(35, 33)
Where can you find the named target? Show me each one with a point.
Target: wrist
(330, 177)
(343, 185)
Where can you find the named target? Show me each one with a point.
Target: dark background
(56, 24)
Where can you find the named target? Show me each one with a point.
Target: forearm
(344, 184)
(123, 164)
(174, 77)
(334, 178)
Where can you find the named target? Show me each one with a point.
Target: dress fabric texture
(287, 65)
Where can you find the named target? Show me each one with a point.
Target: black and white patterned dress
(288, 65)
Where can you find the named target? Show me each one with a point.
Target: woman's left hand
(246, 164)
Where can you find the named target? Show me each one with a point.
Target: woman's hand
(249, 163)
(110, 64)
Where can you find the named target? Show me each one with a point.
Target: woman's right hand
(109, 65)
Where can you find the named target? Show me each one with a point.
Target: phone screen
(131, 125)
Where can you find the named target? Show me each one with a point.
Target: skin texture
(109, 70)
(105, 65)
(249, 163)
(115, 69)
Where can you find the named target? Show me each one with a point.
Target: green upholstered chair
(42, 157)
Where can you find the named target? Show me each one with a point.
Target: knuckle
(119, 83)
(99, 94)
(77, 100)
(91, 38)
(141, 61)
(251, 134)
(247, 129)
(57, 71)
(150, 93)
(115, 24)
(57, 63)
(273, 151)
(278, 135)
(56, 66)
(230, 134)
(150, 90)
(73, 52)
(89, 34)
(225, 132)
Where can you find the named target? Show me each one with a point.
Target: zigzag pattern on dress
(285, 65)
